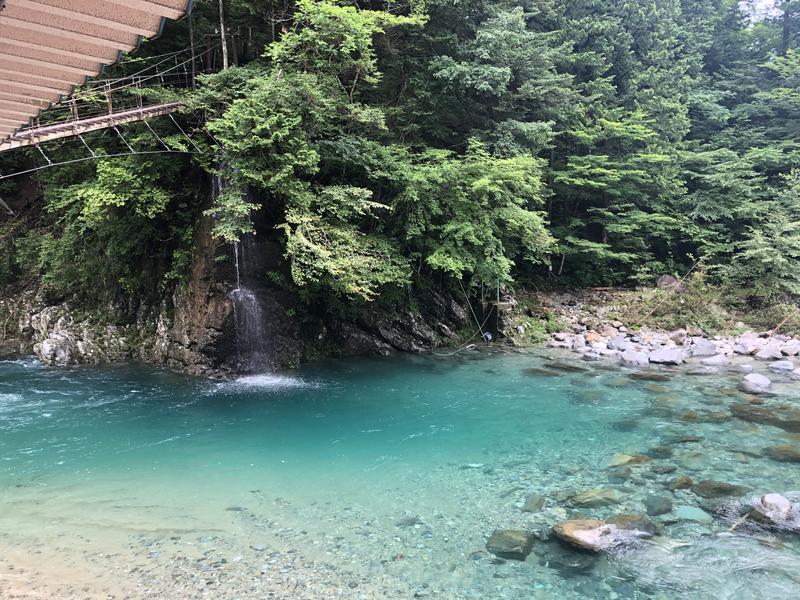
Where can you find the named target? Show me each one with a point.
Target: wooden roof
(47, 47)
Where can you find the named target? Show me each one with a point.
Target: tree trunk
(222, 35)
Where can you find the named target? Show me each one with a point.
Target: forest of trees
(391, 145)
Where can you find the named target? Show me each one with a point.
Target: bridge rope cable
(163, 143)
(136, 82)
(123, 139)
(96, 157)
(39, 148)
(80, 137)
(191, 141)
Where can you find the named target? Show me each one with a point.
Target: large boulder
(668, 356)
(515, 544)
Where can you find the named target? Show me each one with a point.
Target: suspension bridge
(50, 51)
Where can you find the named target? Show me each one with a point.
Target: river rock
(783, 417)
(755, 383)
(566, 561)
(783, 453)
(634, 358)
(791, 348)
(597, 536)
(718, 360)
(649, 376)
(769, 353)
(704, 347)
(620, 459)
(510, 543)
(709, 488)
(774, 510)
(533, 503)
(597, 498)
(692, 513)
(668, 356)
(619, 342)
(681, 482)
(781, 366)
(657, 505)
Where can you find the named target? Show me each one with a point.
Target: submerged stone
(710, 488)
(533, 503)
(515, 544)
(620, 459)
(783, 453)
(655, 388)
(650, 376)
(567, 367)
(783, 417)
(568, 562)
(597, 498)
(657, 505)
(597, 536)
(681, 482)
(539, 372)
(660, 452)
(692, 513)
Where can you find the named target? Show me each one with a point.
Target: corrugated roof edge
(187, 11)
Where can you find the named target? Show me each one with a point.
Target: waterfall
(251, 336)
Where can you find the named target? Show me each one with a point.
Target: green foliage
(387, 146)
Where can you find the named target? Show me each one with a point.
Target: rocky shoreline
(762, 358)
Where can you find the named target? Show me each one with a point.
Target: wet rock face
(510, 543)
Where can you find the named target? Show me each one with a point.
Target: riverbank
(590, 328)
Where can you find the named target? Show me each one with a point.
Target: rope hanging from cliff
(466, 344)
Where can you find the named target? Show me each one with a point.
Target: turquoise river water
(373, 479)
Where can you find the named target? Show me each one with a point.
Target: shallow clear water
(372, 479)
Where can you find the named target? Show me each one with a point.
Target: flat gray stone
(692, 513)
(717, 360)
(668, 356)
(704, 347)
(634, 358)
